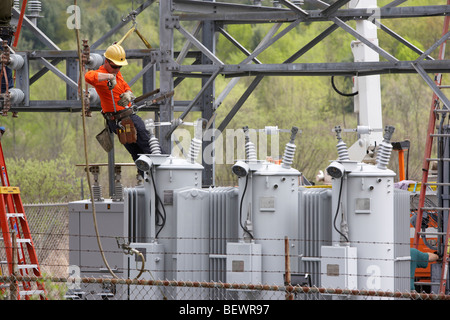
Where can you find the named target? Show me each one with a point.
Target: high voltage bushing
(194, 149)
(289, 151)
(34, 6)
(341, 146)
(96, 187)
(250, 150)
(385, 148)
(34, 10)
(97, 192)
(155, 147)
(118, 188)
(196, 143)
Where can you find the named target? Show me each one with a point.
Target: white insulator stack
(342, 150)
(288, 156)
(385, 148)
(34, 10)
(250, 149)
(97, 192)
(118, 192)
(384, 154)
(155, 147)
(196, 142)
(289, 150)
(194, 149)
(34, 6)
(341, 145)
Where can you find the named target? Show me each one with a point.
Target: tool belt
(127, 131)
(119, 115)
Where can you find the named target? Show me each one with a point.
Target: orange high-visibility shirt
(103, 91)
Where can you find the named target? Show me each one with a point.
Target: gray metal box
(84, 248)
(153, 270)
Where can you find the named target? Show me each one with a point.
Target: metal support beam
(199, 45)
(165, 74)
(295, 8)
(367, 42)
(61, 75)
(238, 105)
(131, 16)
(421, 71)
(209, 17)
(266, 44)
(404, 41)
(334, 7)
(208, 94)
(251, 14)
(434, 46)
(237, 44)
(394, 3)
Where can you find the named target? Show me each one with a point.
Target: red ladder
(426, 166)
(13, 219)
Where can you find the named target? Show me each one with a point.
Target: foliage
(52, 180)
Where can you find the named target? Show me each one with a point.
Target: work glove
(126, 98)
(112, 83)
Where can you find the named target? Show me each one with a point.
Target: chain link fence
(72, 288)
(62, 281)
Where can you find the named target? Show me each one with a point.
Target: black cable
(340, 92)
(240, 209)
(158, 213)
(337, 210)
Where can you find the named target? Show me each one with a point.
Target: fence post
(287, 265)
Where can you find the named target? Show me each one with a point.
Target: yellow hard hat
(116, 54)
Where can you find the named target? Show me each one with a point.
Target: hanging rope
(83, 113)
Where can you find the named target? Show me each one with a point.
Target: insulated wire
(337, 210)
(158, 199)
(86, 153)
(240, 209)
(142, 264)
(340, 92)
(162, 225)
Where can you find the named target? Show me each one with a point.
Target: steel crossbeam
(211, 20)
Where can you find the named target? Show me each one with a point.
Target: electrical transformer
(354, 235)
(268, 215)
(365, 221)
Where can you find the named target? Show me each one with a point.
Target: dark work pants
(142, 145)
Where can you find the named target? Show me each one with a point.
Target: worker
(6, 34)
(115, 98)
(420, 259)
